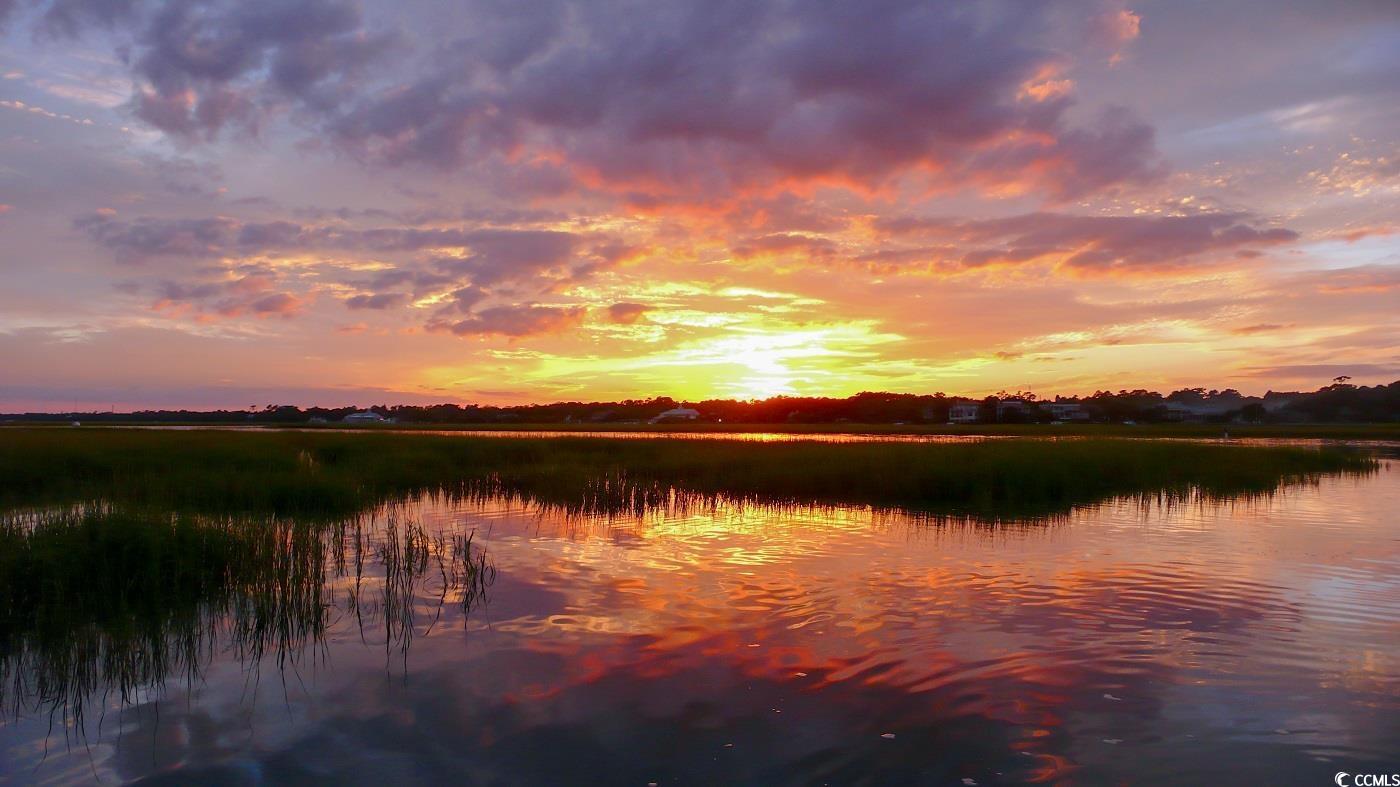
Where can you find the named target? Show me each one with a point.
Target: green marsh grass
(1384, 431)
(330, 475)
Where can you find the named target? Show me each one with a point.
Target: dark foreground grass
(313, 474)
(107, 600)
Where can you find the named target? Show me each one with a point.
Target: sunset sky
(243, 202)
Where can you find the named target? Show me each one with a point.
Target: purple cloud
(493, 252)
(466, 267)
(516, 321)
(377, 301)
(681, 96)
(253, 290)
(1090, 244)
(203, 66)
(681, 99)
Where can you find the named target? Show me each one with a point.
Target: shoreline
(1387, 432)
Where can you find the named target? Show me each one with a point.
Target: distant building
(678, 414)
(366, 417)
(1013, 409)
(964, 413)
(1065, 411)
(1178, 413)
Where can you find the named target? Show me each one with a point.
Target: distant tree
(987, 413)
(1340, 401)
(1253, 413)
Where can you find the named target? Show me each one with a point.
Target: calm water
(1256, 641)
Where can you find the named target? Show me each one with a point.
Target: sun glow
(754, 360)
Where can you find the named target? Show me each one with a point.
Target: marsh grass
(1384, 431)
(104, 600)
(328, 475)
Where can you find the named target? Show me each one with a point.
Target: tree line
(1340, 402)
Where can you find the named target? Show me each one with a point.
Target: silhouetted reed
(100, 601)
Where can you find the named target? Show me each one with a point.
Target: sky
(234, 203)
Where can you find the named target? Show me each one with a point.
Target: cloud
(248, 289)
(465, 299)
(786, 244)
(627, 313)
(685, 99)
(1323, 371)
(1361, 279)
(207, 66)
(203, 67)
(1092, 245)
(1115, 28)
(71, 17)
(460, 269)
(282, 304)
(138, 240)
(377, 301)
(787, 213)
(1258, 328)
(493, 253)
(497, 255)
(516, 321)
(679, 99)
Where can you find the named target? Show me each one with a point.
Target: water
(1251, 641)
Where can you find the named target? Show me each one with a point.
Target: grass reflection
(111, 601)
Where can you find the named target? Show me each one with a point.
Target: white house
(366, 417)
(678, 414)
(964, 413)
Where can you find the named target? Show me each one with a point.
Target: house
(1180, 413)
(1013, 410)
(366, 417)
(678, 414)
(1065, 411)
(965, 413)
